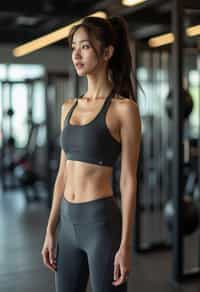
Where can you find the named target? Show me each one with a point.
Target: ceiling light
(193, 30)
(131, 2)
(161, 40)
(50, 38)
(168, 38)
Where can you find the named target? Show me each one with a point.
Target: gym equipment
(10, 146)
(190, 205)
(48, 92)
(188, 102)
(159, 160)
(151, 234)
(190, 215)
(10, 112)
(24, 168)
(10, 142)
(28, 178)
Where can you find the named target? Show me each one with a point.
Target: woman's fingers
(51, 256)
(116, 272)
(120, 275)
(48, 260)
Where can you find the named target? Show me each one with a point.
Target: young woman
(94, 236)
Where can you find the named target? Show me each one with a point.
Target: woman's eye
(84, 46)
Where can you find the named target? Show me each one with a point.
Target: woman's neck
(98, 92)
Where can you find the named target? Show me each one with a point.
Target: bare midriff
(86, 181)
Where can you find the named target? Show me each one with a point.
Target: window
(15, 95)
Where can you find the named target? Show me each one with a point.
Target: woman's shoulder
(125, 106)
(67, 104)
(119, 99)
(68, 101)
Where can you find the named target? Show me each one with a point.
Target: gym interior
(165, 48)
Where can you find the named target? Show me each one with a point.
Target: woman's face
(83, 55)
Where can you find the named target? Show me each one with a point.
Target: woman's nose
(77, 52)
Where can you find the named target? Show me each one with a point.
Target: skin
(80, 181)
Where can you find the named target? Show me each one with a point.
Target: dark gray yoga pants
(89, 235)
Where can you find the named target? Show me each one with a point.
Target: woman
(93, 234)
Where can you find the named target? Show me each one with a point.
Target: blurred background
(165, 48)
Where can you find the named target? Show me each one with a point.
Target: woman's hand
(122, 265)
(47, 252)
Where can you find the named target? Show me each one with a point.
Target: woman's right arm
(59, 184)
(48, 249)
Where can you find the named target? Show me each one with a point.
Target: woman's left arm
(130, 131)
(130, 141)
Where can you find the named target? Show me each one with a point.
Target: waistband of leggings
(90, 211)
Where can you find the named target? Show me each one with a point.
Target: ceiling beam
(63, 9)
(191, 4)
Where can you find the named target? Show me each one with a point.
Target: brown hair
(111, 31)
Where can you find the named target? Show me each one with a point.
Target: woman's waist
(98, 209)
(83, 188)
(84, 197)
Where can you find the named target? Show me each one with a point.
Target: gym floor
(22, 230)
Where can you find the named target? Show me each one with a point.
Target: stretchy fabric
(91, 142)
(88, 238)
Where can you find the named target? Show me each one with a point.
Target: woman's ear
(108, 52)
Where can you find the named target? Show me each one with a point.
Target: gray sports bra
(91, 142)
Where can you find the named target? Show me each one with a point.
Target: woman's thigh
(101, 245)
(72, 265)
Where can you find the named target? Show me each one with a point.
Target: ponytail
(120, 63)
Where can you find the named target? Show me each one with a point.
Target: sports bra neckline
(97, 115)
